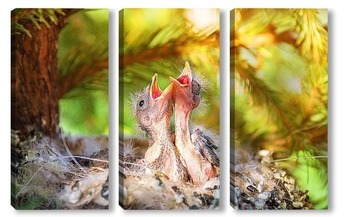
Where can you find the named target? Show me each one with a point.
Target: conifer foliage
(279, 90)
(59, 108)
(160, 41)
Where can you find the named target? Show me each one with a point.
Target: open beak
(156, 93)
(183, 87)
(185, 77)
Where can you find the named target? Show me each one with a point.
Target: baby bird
(206, 145)
(153, 110)
(199, 151)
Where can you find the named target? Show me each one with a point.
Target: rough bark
(34, 79)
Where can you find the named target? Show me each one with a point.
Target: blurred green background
(83, 68)
(160, 41)
(279, 90)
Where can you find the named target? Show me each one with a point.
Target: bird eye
(141, 103)
(196, 87)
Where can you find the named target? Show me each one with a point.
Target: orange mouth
(155, 91)
(185, 77)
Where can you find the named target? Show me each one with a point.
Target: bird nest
(261, 184)
(46, 177)
(142, 188)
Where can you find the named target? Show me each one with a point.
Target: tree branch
(23, 13)
(264, 95)
(167, 50)
(73, 79)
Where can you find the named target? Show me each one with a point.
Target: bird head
(186, 90)
(153, 105)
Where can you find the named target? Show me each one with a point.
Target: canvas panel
(59, 108)
(279, 109)
(169, 109)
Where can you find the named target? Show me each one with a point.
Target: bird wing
(206, 146)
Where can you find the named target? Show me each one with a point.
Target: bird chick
(153, 110)
(206, 145)
(197, 152)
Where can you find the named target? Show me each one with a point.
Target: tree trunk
(34, 79)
